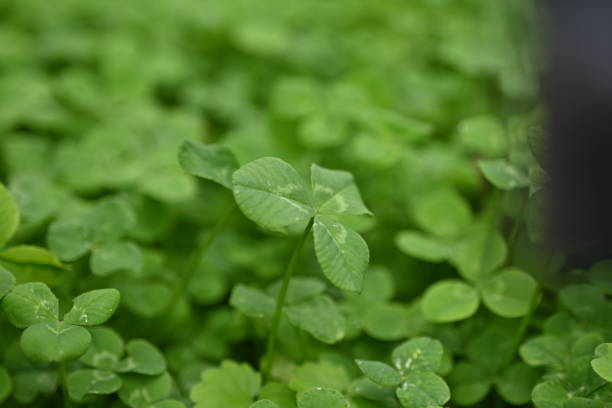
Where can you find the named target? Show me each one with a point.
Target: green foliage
(99, 231)
(449, 300)
(232, 385)
(322, 397)
(123, 126)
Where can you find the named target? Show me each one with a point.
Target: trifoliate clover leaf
(252, 302)
(30, 303)
(272, 194)
(93, 308)
(423, 389)
(442, 212)
(503, 174)
(322, 398)
(211, 162)
(320, 317)
(99, 231)
(142, 358)
(335, 192)
(481, 251)
(341, 252)
(7, 282)
(316, 375)
(509, 293)
(141, 391)
(380, 373)
(6, 384)
(88, 381)
(232, 385)
(55, 342)
(9, 215)
(449, 300)
(470, 383)
(105, 350)
(419, 354)
(602, 363)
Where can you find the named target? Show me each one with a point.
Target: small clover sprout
(414, 376)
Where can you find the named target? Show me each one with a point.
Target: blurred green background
(96, 97)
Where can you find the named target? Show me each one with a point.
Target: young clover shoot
(271, 193)
(217, 164)
(46, 338)
(414, 377)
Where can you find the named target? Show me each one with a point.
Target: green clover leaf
(380, 373)
(55, 341)
(93, 308)
(232, 385)
(211, 162)
(89, 381)
(602, 363)
(322, 398)
(449, 300)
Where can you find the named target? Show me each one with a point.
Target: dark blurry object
(577, 88)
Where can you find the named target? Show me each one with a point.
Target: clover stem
(64, 384)
(523, 326)
(526, 321)
(280, 301)
(516, 228)
(197, 256)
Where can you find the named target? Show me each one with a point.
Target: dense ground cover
(168, 165)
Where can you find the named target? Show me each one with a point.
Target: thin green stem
(64, 384)
(280, 301)
(526, 321)
(516, 228)
(597, 388)
(197, 256)
(523, 326)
